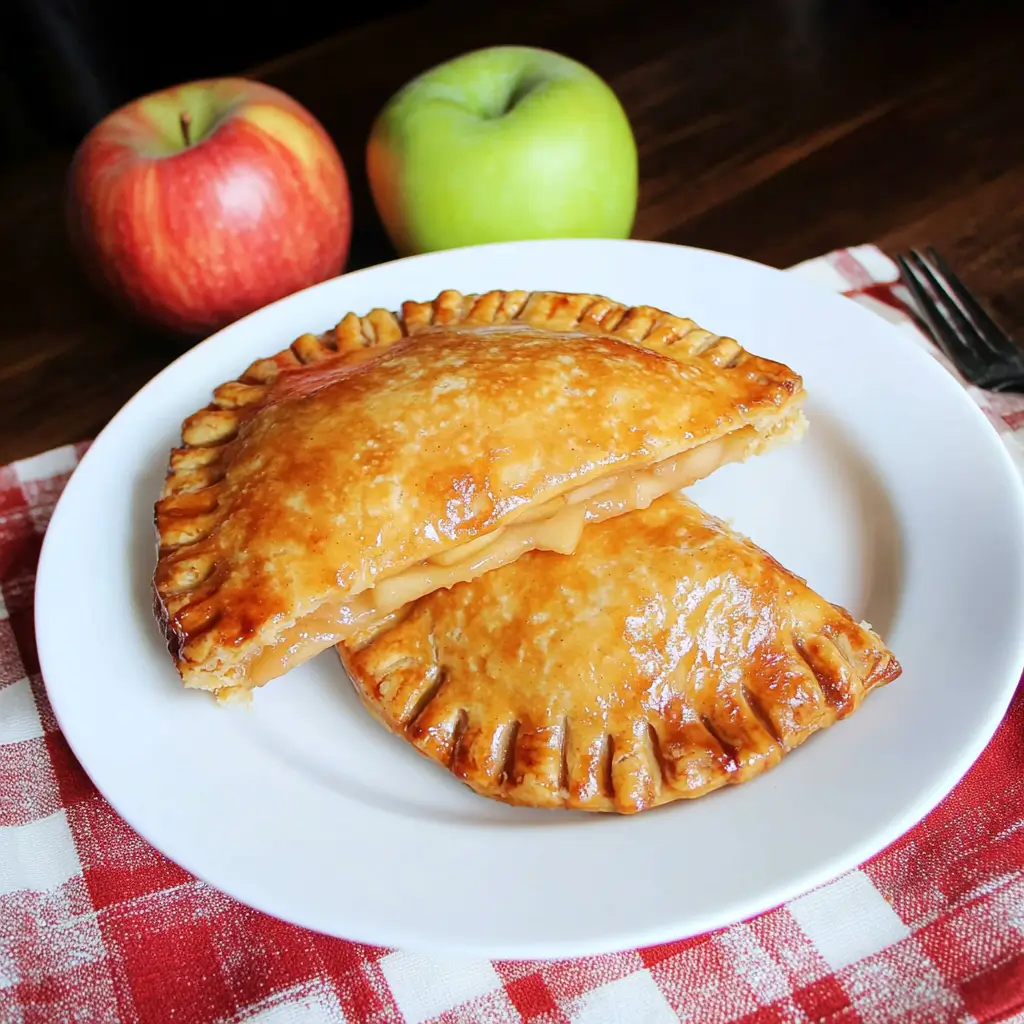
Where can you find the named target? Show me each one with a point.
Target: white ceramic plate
(900, 504)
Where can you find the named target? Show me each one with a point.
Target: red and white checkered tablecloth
(96, 926)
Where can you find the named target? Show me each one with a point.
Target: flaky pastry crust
(395, 437)
(664, 659)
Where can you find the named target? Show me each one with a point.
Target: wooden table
(775, 130)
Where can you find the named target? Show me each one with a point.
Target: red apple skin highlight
(192, 237)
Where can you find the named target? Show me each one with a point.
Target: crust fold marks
(537, 765)
(426, 685)
(563, 768)
(185, 574)
(840, 685)
(458, 736)
(481, 755)
(210, 426)
(508, 765)
(434, 724)
(606, 761)
(757, 710)
(635, 775)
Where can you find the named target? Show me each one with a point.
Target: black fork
(981, 350)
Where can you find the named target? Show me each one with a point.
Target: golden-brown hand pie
(667, 657)
(358, 470)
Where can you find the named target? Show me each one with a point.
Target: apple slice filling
(554, 526)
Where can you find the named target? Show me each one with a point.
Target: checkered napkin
(96, 926)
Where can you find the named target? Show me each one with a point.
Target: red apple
(204, 202)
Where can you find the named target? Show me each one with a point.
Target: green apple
(501, 144)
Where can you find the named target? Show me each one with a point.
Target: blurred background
(66, 63)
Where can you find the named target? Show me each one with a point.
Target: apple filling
(554, 526)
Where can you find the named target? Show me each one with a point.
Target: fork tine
(939, 324)
(989, 331)
(945, 304)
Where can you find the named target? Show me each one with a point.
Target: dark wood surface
(775, 130)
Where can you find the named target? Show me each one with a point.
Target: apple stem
(185, 120)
